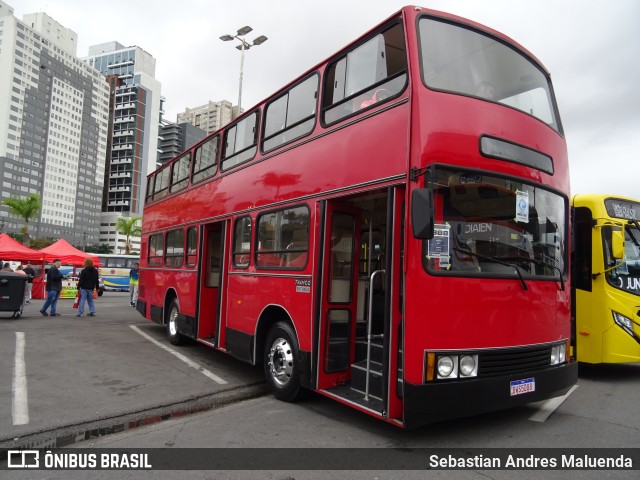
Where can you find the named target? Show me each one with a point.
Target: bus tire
(175, 337)
(281, 370)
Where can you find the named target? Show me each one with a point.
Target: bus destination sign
(622, 209)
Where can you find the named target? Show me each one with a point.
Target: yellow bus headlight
(624, 322)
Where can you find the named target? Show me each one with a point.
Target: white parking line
(550, 406)
(186, 360)
(20, 398)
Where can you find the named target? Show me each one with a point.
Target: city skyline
(588, 51)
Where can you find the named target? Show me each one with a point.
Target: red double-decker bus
(389, 229)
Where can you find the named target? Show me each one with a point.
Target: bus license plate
(518, 387)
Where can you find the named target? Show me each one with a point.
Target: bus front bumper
(434, 402)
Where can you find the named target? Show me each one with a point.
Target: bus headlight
(558, 354)
(624, 322)
(468, 366)
(450, 366)
(447, 366)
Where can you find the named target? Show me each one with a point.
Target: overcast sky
(591, 48)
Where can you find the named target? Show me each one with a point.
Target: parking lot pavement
(63, 376)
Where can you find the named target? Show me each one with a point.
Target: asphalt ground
(64, 379)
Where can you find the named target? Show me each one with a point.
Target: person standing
(53, 288)
(87, 283)
(20, 270)
(134, 276)
(31, 273)
(6, 267)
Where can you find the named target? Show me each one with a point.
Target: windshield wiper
(539, 262)
(495, 260)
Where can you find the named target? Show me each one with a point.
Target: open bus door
(212, 282)
(360, 334)
(339, 294)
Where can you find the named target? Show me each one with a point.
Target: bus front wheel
(280, 363)
(175, 337)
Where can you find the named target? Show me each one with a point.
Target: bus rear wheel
(175, 337)
(281, 369)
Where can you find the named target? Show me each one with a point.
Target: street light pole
(242, 42)
(244, 45)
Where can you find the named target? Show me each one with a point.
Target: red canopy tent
(67, 253)
(11, 249)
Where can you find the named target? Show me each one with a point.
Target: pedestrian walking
(31, 273)
(87, 283)
(53, 288)
(134, 276)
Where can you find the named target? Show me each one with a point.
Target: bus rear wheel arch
(281, 363)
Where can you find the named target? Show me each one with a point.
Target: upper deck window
(205, 163)
(180, 173)
(240, 142)
(460, 60)
(369, 74)
(149, 192)
(292, 115)
(161, 185)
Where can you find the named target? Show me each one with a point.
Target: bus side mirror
(617, 244)
(422, 213)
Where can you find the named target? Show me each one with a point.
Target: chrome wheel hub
(281, 361)
(173, 323)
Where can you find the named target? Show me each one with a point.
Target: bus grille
(509, 361)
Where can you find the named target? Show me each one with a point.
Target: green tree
(129, 227)
(38, 243)
(102, 248)
(25, 208)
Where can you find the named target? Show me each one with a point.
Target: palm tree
(25, 208)
(128, 226)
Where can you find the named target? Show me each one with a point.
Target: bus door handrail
(369, 335)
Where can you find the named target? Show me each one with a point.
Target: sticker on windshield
(522, 207)
(439, 245)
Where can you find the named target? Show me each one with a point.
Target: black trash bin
(12, 288)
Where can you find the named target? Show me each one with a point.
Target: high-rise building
(175, 138)
(136, 110)
(209, 117)
(53, 128)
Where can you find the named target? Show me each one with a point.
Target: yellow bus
(606, 278)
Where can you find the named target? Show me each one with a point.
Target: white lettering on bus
(633, 283)
(624, 211)
(478, 227)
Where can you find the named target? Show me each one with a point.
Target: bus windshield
(461, 60)
(627, 276)
(491, 225)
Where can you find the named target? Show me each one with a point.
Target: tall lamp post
(244, 45)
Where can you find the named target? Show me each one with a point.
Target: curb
(66, 435)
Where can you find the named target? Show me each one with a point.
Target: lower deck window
(283, 239)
